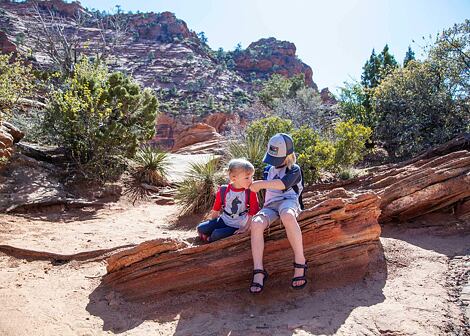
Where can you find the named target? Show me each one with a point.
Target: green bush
(315, 159)
(267, 127)
(350, 143)
(16, 81)
(417, 110)
(304, 137)
(196, 193)
(100, 119)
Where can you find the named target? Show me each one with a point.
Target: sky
(334, 37)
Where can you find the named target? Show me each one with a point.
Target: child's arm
(217, 207)
(247, 226)
(262, 184)
(214, 214)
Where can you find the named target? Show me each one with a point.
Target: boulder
(194, 134)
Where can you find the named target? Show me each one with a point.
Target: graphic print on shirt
(235, 202)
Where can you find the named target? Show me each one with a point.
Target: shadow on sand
(320, 308)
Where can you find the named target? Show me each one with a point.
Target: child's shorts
(273, 210)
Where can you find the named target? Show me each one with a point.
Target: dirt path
(410, 292)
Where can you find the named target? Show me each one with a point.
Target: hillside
(160, 52)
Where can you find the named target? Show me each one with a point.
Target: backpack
(223, 193)
(295, 187)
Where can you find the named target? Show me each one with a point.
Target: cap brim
(273, 160)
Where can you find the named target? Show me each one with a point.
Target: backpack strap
(247, 199)
(266, 172)
(223, 194)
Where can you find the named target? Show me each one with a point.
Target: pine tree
(409, 56)
(387, 59)
(371, 71)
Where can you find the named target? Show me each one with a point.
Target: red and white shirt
(234, 213)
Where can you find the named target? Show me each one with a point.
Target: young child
(283, 184)
(234, 204)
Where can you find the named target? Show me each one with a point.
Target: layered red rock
(59, 6)
(327, 97)
(9, 135)
(199, 132)
(341, 239)
(437, 180)
(268, 56)
(162, 27)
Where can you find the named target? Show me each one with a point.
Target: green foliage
(100, 119)
(418, 108)
(267, 127)
(354, 104)
(409, 56)
(377, 67)
(304, 137)
(252, 148)
(16, 81)
(196, 193)
(152, 166)
(279, 87)
(318, 157)
(350, 143)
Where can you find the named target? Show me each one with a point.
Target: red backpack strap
(247, 198)
(223, 193)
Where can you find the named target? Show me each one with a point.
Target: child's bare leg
(294, 235)
(258, 225)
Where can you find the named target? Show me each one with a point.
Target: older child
(283, 184)
(237, 203)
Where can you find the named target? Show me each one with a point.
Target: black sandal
(256, 284)
(300, 278)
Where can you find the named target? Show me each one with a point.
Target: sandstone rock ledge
(341, 238)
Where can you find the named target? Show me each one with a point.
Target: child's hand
(244, 229)
(255, 186)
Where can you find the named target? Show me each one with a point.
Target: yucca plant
(152, 166)
(196, 193)
(252, 149)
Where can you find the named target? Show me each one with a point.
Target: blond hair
(236, 165)
(290, 160)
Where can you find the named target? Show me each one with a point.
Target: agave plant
(196, 193)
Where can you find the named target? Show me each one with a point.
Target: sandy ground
(413, 290)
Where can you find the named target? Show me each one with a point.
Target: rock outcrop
(200, 132)
(340, 238)
(162, 27)
(327, 97)
(340, 229)
(268, 56)
(437, 180)
(9, 135)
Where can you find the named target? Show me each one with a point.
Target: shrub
(350, 143)
(16, 81)
(196, 193)
(416, 110)
(152, 166)
(316, 158)
(267, 127)
(100, 119)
